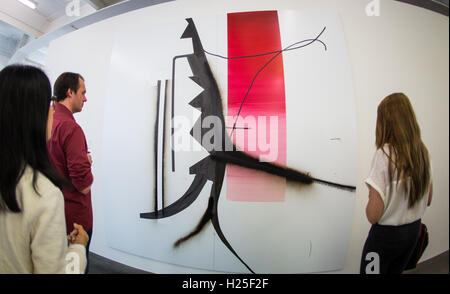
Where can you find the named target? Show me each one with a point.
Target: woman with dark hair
(32, 223)
(400, 186)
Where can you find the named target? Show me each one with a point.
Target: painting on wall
(243, 143)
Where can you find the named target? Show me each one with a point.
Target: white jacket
(35, 240)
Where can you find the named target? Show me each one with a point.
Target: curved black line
(187, 199)
(248, 91)
(264, 66)
(211, 214)
(277, 53)
(216, 225)
(268, 53)
(215, 191)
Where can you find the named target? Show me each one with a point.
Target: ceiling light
(28, 3)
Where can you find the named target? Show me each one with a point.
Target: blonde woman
(400, 187)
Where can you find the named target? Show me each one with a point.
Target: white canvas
(309, 231)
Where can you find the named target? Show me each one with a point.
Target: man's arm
(86, 191)
(78, 161)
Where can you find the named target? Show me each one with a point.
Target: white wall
(405, 49)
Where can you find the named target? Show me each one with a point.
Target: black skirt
(388, 248)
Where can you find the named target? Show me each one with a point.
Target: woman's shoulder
(386, 149)
(384, 152)
(382, 157)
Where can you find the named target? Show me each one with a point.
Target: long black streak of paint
(244, 160)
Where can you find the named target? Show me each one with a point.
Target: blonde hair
(397, 126)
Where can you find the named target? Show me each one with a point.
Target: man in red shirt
(69, 152)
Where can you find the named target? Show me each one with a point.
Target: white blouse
(35, 240)
(396, 211)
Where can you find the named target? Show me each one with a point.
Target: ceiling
(10, 39)
(53, 9)
(439, 6)
(47, 12)
(99, 4)
(23, 24)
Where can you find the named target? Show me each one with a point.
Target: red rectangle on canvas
(256, 103)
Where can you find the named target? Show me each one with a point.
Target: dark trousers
(89, 232)
(392, 244)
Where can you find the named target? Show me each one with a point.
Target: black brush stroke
(244, 160)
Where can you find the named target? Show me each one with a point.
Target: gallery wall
(400, 48)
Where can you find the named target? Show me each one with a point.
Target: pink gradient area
(261, 125)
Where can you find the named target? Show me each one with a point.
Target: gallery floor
(101, 265)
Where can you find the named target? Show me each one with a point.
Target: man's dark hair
(64, 82)
(25, 93)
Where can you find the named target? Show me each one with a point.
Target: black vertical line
(156, 144)
(163, 152)
(172, 130)
(172, 116)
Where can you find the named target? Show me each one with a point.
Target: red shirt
(68, 152)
